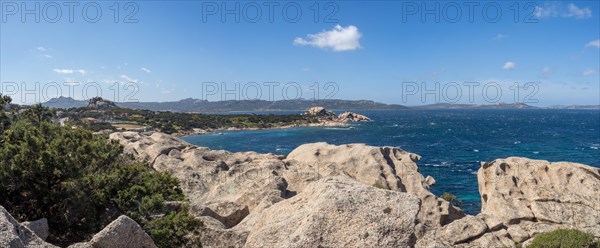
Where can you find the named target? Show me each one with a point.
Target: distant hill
(65, 103)
(575, 107)
(203, 106)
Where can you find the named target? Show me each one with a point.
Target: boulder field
(354, 195)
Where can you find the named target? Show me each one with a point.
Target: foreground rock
(328, 195)
(338, 212)
(383, 167)
(39, 227)
(122, 232)
(538, 195)
(234, 189)
(224, 188)
(15, 235)
(515, 190)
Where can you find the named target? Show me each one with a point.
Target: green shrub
(4, 118)
(172, 230)
(452, 199)
(81, 182)
(564, 238)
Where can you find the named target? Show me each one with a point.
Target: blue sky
(365, 50)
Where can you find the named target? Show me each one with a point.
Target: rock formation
(122, 232)
(383, 167)
(328, 195)
(100, 103)
(39, 227)
(338, 212)
(325, 115)
(352, 117)
(15, 235)
(515, 190)
(319, 112)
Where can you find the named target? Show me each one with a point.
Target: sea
(452, 143)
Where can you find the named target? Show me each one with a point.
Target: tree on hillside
(38, 113)
(4, 119)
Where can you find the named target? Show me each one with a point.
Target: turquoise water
(451, 142)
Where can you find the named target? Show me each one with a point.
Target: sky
(401, 52)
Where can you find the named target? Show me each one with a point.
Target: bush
(452, 199)
(564, 238)
(81, 182)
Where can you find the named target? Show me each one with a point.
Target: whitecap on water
(535, 152)
(475, 150)
(517, 142)
(442, 164)
(337, 128)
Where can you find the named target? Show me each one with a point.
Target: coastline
(324, 119)
(200, 131)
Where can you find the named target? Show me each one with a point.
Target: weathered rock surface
(515, 190)
(352, 117)
(15, 235)
(39, 227)
(325, 115)
(318, 111)
(225, 186)
(122, 232)
(338, 212)
(383, 167)
(250, 199)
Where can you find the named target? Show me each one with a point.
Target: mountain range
(204, 106)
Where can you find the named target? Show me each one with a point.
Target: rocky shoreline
(325, 119)
(351, 195)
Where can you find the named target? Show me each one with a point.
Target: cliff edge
(362, 196)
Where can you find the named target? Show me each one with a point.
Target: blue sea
(452, 143)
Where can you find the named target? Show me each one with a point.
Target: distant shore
(199, 131)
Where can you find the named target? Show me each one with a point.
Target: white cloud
(70, 71)
(588, 73)
(145, 70)
(42, 49)
(338, 39)
(594, 43)
(509, 65)
(579, 13)
(560, 10)
(129, 79)
(500, 37)
(48, 56)
(306, 69)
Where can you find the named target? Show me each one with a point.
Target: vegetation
(452, 199)
(169, 122)
(4, 118)
(81, 182)
(564, 238)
